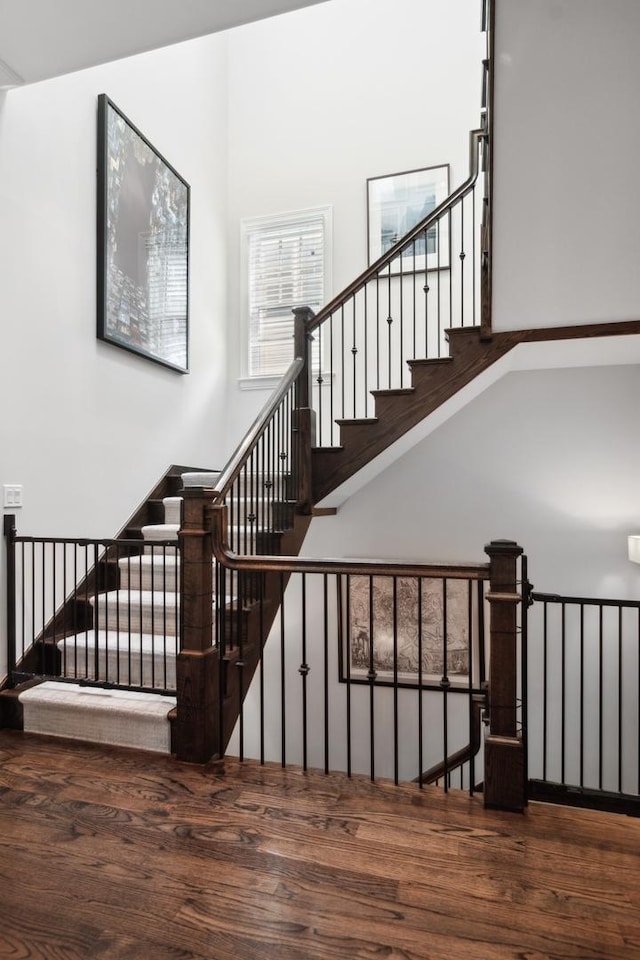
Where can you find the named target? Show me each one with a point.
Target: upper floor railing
(400, 308)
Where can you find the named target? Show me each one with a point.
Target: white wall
(85, 426)
(566, 143)
(548, 458)
(88, 428)
(322, 99)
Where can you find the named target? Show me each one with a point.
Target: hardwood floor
(109, 853)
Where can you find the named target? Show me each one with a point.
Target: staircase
(115, 649)
(119, 625)
(396, 411)
(131, 642)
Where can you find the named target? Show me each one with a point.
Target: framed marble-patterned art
(143, 244)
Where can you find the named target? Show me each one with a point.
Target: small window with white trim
(285, 264)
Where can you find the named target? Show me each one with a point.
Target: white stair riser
(150, 572)
(173, 510)
(135, 612)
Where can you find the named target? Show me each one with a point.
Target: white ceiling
(40, 39)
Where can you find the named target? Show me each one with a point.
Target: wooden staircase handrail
(235, 463)
(464, 755)
(359, 567)
(475, 138)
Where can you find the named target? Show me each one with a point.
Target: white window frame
(250, 226)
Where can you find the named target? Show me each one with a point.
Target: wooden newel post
(196, 734)
(304, 417)
(504, 786)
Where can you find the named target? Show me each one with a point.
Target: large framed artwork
(431, 619)
(398, 202)
(143, 244)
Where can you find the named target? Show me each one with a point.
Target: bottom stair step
(120, 717)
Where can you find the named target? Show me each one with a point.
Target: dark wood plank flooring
(110, 853)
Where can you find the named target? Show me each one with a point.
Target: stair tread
(160, 531)
(357, 421)
(118, 640)
(137, 596)
(141, 597)
(394, 392)
(100, 697)
(430, 361)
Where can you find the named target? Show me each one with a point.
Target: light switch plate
(12, 495)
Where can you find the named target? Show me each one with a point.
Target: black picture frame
(372, 609)
(396, 203)
(143, 219)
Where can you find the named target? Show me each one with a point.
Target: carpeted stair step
(121, 717)
(141, 660)
(206, 479)
(157, 532)
(173, 510)
(150, 572)
(137, 611)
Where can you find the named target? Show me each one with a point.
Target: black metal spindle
(426, 296)
(304, 672)
(401, 313)
(331, 418)
(367, 395)
(438, 277)
(283, 705)
(462, 259)
(420, 694)
(348, 673)
(474, 257)
(638, 698)
(105, 614)
(600, 694)
(450, 225)
(354, 354)
(620, 730)
(371, 676)
(11, 648)
(377, 281)
(74, 615)
(240, 666)
(415, 296)
(320, 381)
(10, 541)
(563, 693)
(545, 703)
(342, 363)
(325, 678)
(395, 681)
(582, 698)
(389, 326)
(221, 617)
(471, 678)
(261, 663)
(445, 684)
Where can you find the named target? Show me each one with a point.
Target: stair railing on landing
(399, 309)
(356, 648)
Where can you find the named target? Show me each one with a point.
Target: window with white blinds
(286, 266)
